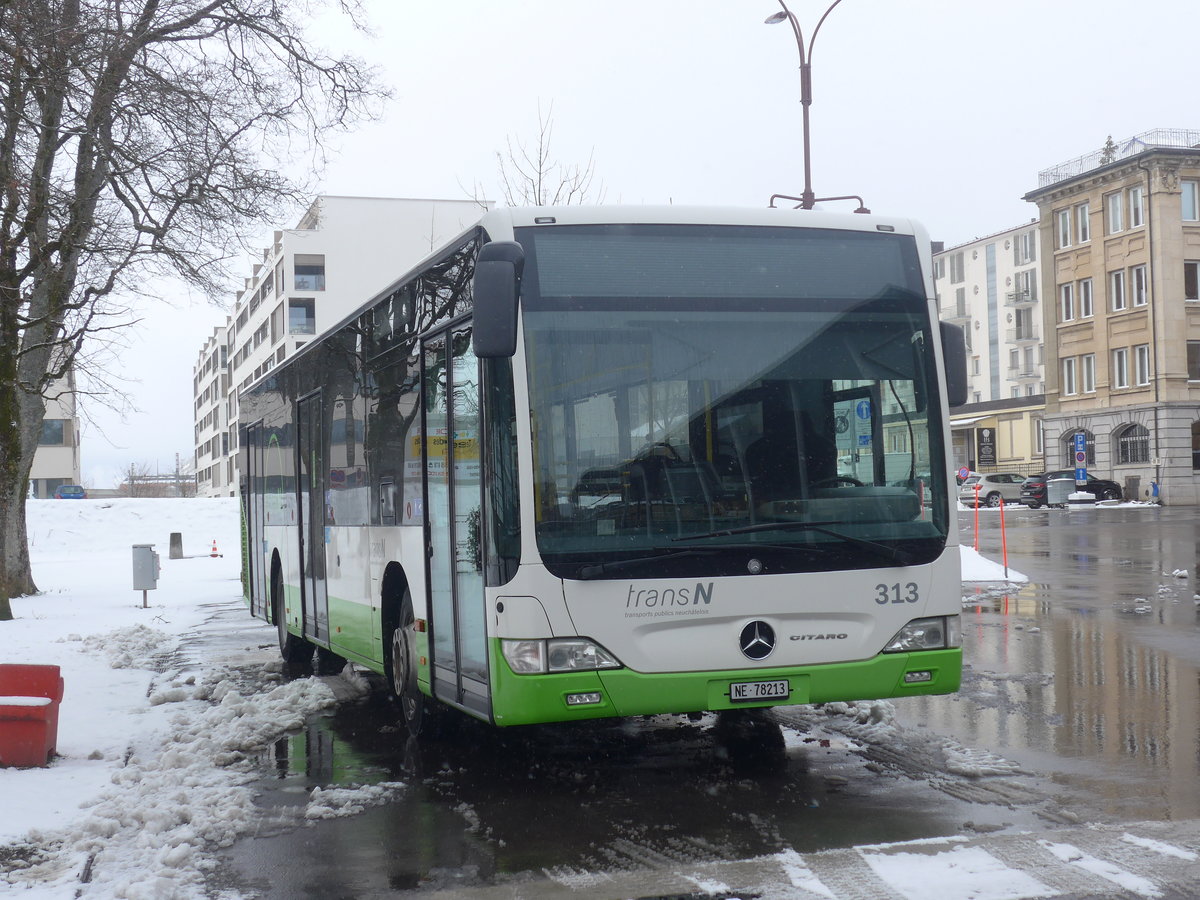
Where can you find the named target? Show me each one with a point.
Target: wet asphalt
(1078, 713)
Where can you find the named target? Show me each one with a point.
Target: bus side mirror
(954, 358)
(495, 288)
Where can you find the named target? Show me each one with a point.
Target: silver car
(993, 487)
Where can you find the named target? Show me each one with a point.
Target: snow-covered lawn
(149, 738)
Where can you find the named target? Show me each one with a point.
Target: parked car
(70, 492)
(992, 487)
(1033, 491)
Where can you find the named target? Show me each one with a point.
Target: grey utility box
(145, 567)
(1059, 491)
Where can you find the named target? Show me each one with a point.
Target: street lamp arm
(813, 40)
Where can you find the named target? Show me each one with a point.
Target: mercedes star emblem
(757, 640)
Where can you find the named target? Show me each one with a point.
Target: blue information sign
(1080, 458)
(863, 409)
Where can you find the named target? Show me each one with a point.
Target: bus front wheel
(403, 667)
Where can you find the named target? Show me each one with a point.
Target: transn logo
(651, 598)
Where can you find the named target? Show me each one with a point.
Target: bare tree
(138, 138)
(530, 176)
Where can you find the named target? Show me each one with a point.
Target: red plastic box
(29, 701)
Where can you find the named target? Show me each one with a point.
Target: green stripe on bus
(533, 699)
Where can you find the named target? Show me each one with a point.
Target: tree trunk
(16, 577)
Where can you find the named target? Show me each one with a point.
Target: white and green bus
(615, 461)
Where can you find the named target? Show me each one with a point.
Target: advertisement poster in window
(985, 445)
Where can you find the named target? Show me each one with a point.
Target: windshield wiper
(587, 572)
(882, 551)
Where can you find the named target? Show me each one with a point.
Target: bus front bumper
(573, 696)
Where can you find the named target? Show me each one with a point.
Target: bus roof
(518, 217)
(500, 223)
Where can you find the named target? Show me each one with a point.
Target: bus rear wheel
(403, 653)
(295, 650)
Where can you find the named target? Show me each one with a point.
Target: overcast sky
(942, 110)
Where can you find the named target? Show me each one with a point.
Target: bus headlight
(934, 633)
(557, 655)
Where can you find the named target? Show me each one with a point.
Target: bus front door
(453, 502)
(311, 483)
(254, 511)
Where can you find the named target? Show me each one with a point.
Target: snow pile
(336, 802)
(977, 567)
(135, 647)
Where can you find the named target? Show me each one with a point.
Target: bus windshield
(699, 393)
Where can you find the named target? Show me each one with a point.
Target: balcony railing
(1019, 298)
(1023, 371)
(1022, 335)
(1179, 138)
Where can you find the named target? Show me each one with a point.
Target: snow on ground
(153, 738)
(150, 772)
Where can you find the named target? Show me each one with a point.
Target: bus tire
(295, 650)
(402, 670)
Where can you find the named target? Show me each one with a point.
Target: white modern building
(56, 461)
(992, 287)
(342, 251)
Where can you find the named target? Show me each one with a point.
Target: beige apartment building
(1120, 237)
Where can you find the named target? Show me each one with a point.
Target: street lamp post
(807, 198)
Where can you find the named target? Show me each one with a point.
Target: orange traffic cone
(214, 549)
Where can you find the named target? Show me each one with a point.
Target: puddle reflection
(1092, 672)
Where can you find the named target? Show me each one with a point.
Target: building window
(1114, 216)
(1141, 364)
(1085, 298)
(309, 272)
(1088, 367)
(1193, 360)
(1191, 281)
(1066, 304)
(54, 433)
(1025, 248)
(1026, 284)
(1196, 445)
(1063, 229)
(1120, 368)
(1135, 207)
(1116, 290)
(1038, 437)
(302, 315)
(958, 272)
(1191, 201)
(939, 268)
(1070, 388)
(974, 365)
(1133, 445)
(1141, 288)
(1083, 227)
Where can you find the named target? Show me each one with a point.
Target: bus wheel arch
(295, 650)
(400, 650)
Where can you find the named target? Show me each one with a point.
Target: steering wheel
(837, 479)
